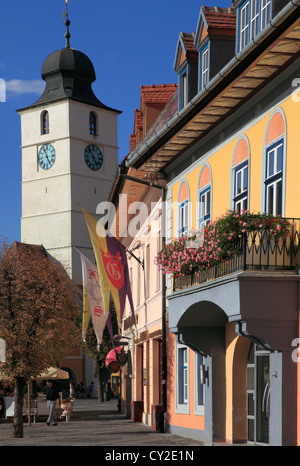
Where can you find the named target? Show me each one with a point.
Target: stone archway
(202, 328)
(236, 399)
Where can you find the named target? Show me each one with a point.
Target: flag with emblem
(92, 300)
(112, 265)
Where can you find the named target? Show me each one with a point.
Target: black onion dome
(69, 60)
(69, 74)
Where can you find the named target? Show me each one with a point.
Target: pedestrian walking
(72, 391)
(51, 394)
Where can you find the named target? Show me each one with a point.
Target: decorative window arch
(240, 175)
(93, 124)
(183, 208)
(274, 161)
(45, 122)
(204, 196)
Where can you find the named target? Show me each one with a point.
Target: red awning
(111, 356)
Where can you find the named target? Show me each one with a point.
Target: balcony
(256, 252)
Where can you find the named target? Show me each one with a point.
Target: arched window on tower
(45, 122)
(92, 124)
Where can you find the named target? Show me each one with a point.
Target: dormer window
(254, 23)
(204, 67)
(45, 122)
(186, 67)
(244, 25)
(93, 124)
(253, 16)
(183, 89)
(214, 41)
(265, 12)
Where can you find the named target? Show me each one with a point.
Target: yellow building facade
(217, 168)
(232, 145)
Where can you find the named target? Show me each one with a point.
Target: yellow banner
(98, 239)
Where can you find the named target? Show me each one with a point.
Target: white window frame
(240, 199)
(204, 67)
(183, 217)
(244, 25)
(254, 15)
(266, 6)
(199, 388)
(204, 214)
(274, 179)
(182, 395)
(183, 88)
(254, 18)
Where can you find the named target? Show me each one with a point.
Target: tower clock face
(46, 157)
(93, 157)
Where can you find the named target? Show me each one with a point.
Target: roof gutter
(235, 61)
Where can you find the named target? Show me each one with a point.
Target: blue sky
(130, 43)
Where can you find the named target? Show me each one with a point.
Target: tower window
(45, 123)
(92, 124)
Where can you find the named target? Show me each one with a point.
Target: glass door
(258, 395)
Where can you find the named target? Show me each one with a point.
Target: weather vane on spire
(67, 23)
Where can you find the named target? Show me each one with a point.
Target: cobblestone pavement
(92, 424)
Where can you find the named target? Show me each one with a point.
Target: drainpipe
(163, 316)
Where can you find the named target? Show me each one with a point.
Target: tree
(38, 305)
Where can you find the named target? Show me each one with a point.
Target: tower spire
(67, 23)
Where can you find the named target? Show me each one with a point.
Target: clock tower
(69, 157)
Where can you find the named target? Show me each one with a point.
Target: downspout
(163, 328)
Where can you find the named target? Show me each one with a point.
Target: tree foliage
(38, 306)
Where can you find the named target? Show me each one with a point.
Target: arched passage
(202, 328)
(236, 400)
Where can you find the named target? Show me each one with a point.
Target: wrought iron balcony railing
(257, 251)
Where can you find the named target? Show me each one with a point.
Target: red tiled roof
(157, 94)
(188, 40)
(168, 112)
(220, 18)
